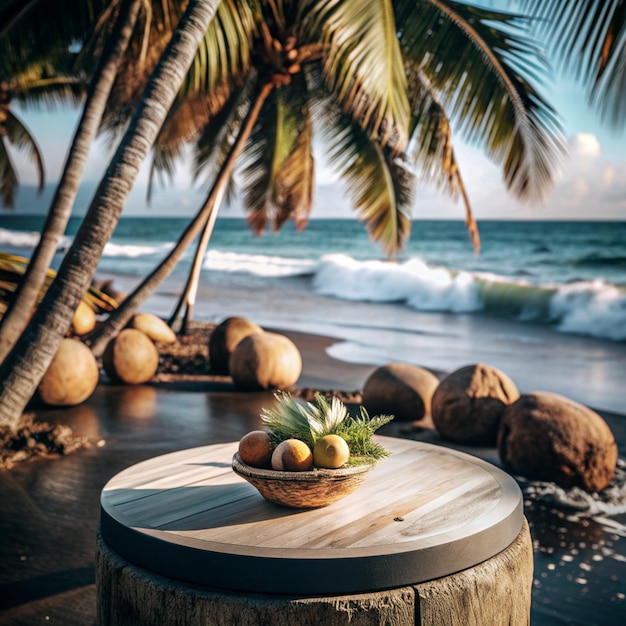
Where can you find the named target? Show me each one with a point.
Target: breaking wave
(593, 308)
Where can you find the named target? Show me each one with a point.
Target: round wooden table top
(425, 512)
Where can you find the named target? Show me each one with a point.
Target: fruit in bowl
(331, 451)
(309, 454)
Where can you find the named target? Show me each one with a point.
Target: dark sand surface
(50, 507)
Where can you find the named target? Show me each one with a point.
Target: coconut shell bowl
(303, 490)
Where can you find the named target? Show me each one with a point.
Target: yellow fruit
(331, 452)
(255, 448)
(292, 455)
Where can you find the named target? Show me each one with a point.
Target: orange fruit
(292, 455)
(255, 448)
(331, 452)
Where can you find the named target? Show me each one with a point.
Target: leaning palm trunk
(120, 317)
(188, 297)
(25, 365)
(25, 298)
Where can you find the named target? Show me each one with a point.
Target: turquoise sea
(570, 276)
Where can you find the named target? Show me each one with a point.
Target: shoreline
(537, 357)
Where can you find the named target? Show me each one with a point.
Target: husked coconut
(265, 361)
(400, 389)
(131, 357)
(468, 404)
(224, 340)
(71, 376)
(545, 436)
(154, 327)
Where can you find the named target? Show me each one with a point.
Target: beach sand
(50, 507)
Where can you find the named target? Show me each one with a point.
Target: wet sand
(50, 508)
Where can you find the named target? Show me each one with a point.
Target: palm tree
(110, 39)
(14, 320)
(23, 368)
(589, 37)
(25, 81)
(359, 58)
(379, 78)
(14, 132)
(36, 67)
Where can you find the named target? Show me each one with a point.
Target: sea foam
(28, 240)
(134, 251)
(413, 282)
(257, 264)
(18, 239)
(589, 308)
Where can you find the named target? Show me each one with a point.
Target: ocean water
(570, 276)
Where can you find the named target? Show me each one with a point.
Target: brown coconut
(224, 340)
(153, 326)
(265, 361)
(545, 436)
(468, 404)
(84, 320)
(131, 357)
(71, 376)
(400, 389)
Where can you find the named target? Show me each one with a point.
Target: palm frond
(278, 165)
(379, 183)
(296, 179)
(52, 92)
(8, 177)
(265, 149)
(18, 135)
(12, 268)
(163, 164)
(224, 53)
(185, 122)
(45, 26)
(589, 38)
(483, 67)
(216, 137)
(431, 146)
(152, 33)
(362, 63)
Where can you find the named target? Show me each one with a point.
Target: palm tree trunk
(120, 317)
(27, 362)
(183, 296)
(188, 297)
(25, 297)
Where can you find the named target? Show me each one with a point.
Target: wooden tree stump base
(493, 593)
(432, 536)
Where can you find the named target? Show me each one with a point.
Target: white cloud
(588, 185)
(591, 182)
(585, 145)
(608, 176)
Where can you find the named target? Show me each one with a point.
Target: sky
(590, 184)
